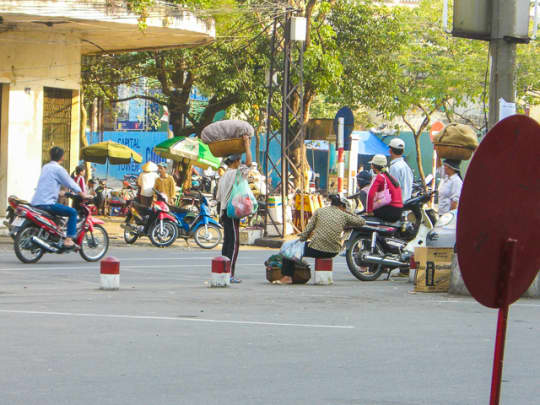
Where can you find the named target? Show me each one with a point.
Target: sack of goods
(224, 138)
(242, 202)
(456, 141)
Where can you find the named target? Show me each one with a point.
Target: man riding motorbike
(52, 177)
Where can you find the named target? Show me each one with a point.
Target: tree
(345, 56)
(435, 71)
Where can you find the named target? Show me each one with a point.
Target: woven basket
(446, 151)
(302, 274)
(227, 147)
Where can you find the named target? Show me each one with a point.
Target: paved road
(166, 338)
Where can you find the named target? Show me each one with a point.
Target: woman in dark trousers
(325, 230)
(231, 226)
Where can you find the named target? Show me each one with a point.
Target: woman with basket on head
(231, 226)
(384, 198)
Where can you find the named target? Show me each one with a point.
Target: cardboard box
(434, 269)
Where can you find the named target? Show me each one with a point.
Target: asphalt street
(167, 338)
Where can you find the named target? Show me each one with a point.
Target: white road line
(167, 318)
(518, 304)
(61, 267)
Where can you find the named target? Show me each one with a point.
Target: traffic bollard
(323, 272)
(110, 273)
(221, 272)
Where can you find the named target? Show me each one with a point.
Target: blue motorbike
(199, 226)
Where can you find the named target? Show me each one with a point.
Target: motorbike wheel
(363, 271)
(94, 244)
(130, 236)
(163, 237)
(25, 250)
(208, 237)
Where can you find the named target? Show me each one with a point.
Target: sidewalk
(116, 237)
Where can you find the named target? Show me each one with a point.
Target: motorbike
(155, 222)
(39, 232)
(201, 226)
(379, 247)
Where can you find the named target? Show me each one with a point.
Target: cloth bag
(293, 249)
(242, 202)
(382, 198)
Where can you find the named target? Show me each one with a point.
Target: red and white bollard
(110, 273)
(323, 272)
(221, 272)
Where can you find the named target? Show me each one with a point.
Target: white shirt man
(399, 169)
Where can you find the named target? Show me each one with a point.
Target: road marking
(169, 318)
(61, 267)
(474, 302)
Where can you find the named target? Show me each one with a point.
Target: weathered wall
(28, 64)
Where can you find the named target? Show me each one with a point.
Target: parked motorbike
(156, 222)
(39, 232)
(378, 246)
(201, 227)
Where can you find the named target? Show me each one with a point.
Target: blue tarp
(369, 144)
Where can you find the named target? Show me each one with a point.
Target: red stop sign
(500, 200)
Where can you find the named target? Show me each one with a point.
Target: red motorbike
(39, 232)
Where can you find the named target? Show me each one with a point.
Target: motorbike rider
(324, 229)
(390, 212)
(399, 169)
(52, 177)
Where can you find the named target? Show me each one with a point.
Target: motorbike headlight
(445, 219)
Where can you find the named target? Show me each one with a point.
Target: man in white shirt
(146, 182)
(231, 226)
(399, 169)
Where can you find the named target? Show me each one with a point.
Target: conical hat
(149, 167)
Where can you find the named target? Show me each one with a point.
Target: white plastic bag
(293, 249)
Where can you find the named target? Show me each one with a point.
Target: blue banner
(141, 142)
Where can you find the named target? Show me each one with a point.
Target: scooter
(40, 232)
(201, 227)
(156, 222)
(379, 247)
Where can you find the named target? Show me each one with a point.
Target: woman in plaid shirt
(325, 230)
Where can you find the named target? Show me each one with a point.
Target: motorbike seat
(47, 214)
(178, 210)
(375, 221)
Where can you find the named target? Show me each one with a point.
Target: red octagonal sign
(500, 200)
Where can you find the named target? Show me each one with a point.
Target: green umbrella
(193, 149)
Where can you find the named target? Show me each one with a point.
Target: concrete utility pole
(503, 61)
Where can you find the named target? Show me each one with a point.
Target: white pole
(340, 145)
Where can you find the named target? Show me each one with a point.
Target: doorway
(57, 105)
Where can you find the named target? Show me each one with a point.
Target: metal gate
(56, 122)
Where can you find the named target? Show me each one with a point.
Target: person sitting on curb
(325, 229)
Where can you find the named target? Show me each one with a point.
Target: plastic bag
(293, 249)
(242, 202)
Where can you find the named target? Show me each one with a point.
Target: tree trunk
(417, 136)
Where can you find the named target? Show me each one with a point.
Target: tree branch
(139, 96)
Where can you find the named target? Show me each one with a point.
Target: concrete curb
(274, 243)
(457, 285)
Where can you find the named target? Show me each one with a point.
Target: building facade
(40, 73)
